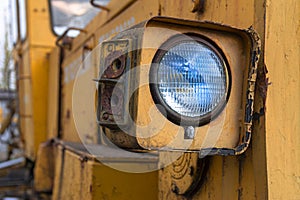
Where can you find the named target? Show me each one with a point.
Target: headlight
(186, 86)
(189, 78)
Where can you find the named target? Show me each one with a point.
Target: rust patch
(198, 6)
(262, 85)
(115, 64)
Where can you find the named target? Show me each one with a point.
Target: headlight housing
(191, 87)
(190, 78)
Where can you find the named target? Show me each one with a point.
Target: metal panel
(53, 96)
(28, 135)
(78, 176)
(39, 74)
(70, 68)
(38, 21)
(33, 76)
(135, 12)
(282, 50)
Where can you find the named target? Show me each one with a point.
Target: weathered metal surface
(44, 168)
(53, 94)
(184, 176)
(282, 108)
(136, 11)
(244, 176)
(269, 169)
(70, 67)
(198, 6)
(33, 63)
(79, 175)
(229, 133)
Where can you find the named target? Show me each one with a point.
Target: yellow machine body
(33, 65)
(268, 169)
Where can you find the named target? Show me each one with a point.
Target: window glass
(22, 11)
(72, 13)
(14, 21)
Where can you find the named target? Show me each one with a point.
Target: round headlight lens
(191, 79)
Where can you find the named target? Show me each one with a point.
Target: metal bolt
(105, 116)
(191, 171)
(189, 132)
(174, 188)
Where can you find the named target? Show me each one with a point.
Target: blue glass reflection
(183, 67)
(191, 79)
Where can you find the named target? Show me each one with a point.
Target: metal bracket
(187, 174)
(65, 34)
(99, 6)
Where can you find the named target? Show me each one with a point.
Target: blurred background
(9, 134)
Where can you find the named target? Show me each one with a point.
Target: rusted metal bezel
(117, 79)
